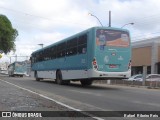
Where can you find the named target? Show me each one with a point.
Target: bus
(98, 53)
(17, 69)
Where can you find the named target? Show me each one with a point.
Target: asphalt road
(97, 97)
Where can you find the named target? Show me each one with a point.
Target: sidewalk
(16, 99)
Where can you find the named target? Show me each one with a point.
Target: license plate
(112, 66)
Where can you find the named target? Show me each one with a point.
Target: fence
(149, 84)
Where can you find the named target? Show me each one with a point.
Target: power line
(49, 19)
(141, 20)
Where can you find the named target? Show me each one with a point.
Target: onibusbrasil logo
(21, 114)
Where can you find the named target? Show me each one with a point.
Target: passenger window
(53, 52)
(61, 50)
(72, 43)
(82, 49)
(61, 46)
(71, 47)
(71, 51)
(82, 39)
(82, 44)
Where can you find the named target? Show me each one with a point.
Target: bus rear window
(112, 38)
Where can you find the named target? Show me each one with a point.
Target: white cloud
(47, 21)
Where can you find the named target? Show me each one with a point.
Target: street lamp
(96, 18)
(41, 45)
(127, 24)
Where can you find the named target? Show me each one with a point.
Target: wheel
(36, 76)
(59, 77)
(86, 82)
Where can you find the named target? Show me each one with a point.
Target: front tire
(36, 76)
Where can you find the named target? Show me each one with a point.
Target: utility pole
(144, 75)
(109, 19)
(16, 58)
(10, 58)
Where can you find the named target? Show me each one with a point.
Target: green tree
(7, 35)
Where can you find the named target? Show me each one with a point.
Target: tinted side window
(53, 52)
(37, 57)
(82, 44)
(61, 50)
(61, 46)
(71, 51)
(82, 39)
(47, 54)
(33, 58)
(71, 47)
(82, 49)
(72, 43)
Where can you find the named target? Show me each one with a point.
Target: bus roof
(77, 34)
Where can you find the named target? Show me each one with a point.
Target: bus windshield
(112, 38)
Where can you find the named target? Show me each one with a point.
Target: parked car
(149, 77)
(137, 77)
(153, 77)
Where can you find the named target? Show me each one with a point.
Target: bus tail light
(94, 63)
(129, 65)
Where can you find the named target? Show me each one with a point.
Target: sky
(48, 21)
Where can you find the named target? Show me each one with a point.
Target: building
(146, 53)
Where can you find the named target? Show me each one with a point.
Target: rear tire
(59, 77)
